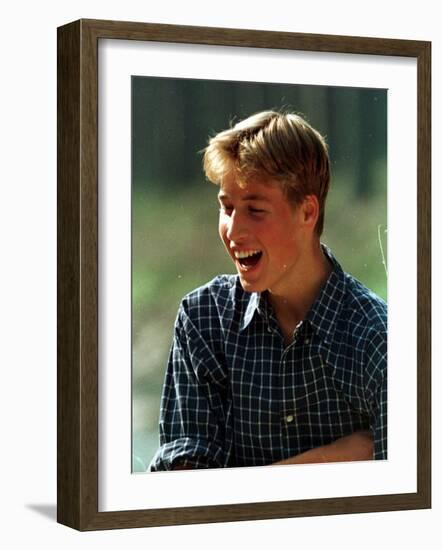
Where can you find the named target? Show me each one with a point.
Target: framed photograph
(138, 218)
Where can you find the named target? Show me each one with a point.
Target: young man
(285, 362)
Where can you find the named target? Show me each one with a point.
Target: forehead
(231, 187)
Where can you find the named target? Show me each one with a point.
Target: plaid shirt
(235, 395)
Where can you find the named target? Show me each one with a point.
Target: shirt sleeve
(376, 392)
(194, 406)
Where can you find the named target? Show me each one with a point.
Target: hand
(357, 446)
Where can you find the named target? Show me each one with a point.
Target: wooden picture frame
(77, 224)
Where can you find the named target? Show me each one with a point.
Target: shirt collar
(325, 310)
(252, 307)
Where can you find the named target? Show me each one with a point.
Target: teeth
(246, 253)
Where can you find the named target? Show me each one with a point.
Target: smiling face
(268, 239)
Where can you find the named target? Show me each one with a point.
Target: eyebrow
(250, 197)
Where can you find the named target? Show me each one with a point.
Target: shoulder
(365, 310)
(215, 303)
(366, 314)
(217, 292)
(358, 309)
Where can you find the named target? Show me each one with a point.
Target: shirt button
(289, 418)
(307, 341)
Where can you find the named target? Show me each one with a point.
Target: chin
(251, 286)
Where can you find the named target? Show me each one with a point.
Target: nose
(236, 228)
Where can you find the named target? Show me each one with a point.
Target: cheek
(222, 229)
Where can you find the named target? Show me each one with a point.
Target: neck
(292, 306)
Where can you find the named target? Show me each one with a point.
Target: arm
(192, 412)
(357, 446)
(376, 392)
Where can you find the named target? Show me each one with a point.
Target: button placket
(288, 417)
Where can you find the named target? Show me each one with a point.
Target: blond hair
(273, 146)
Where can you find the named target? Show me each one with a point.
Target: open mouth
(248, 259)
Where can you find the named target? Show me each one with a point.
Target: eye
(256, 211)
(225, 209)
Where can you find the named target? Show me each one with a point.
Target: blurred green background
(175, 246)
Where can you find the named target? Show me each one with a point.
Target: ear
(310, 210)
